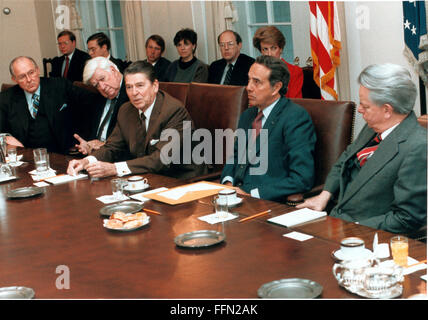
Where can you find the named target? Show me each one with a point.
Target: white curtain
(133, 30)
(75, 21)
(224, 15)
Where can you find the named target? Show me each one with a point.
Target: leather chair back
(333, 121)
(85, 86)
(423, 121)
(176, 89)
(6, 86)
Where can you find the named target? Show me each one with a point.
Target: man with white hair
(380, 180)
(104, 75)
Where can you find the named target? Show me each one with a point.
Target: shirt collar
(266, 111)
(388, 131)
(148, 111)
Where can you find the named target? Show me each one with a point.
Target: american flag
(325, 46)
(415, 36)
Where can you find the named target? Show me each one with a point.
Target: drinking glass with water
(41, 159)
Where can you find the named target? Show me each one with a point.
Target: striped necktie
(143, 123)
(368, 151)
(228, 74)
(35, 105)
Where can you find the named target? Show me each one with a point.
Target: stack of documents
(297, 217)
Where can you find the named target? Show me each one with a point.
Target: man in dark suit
(273, 152)
(70, 65)
(37, 111)
(155, 47)
(99, 122)
(142, 132)
(230, 44)
(99, 45)
(380, 180)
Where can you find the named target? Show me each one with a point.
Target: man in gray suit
(383, 185)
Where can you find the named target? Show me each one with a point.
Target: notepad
(297, 217)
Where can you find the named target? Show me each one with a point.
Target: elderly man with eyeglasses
(38, 112)
(233, 68)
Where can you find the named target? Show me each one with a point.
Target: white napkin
(214, 218)
(407, 270)
(297, 236)
(297, 217)
(140, 196)
(111, 198)
(37, 176)
(4, 178)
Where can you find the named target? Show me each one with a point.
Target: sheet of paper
(65, 178)
(36, 176)
(140, 196)
(41, 184)
(177, 193)
(297, 217)
(297, 236)
(111, 198)
(214, 218)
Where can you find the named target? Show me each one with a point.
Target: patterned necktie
(106, 119)
(67, 63)
(35, 105)
(368, 151)
(257, 125)
(143, 123)
(228, 74)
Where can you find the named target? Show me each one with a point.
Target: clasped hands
(98, 169)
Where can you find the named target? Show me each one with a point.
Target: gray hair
(389, 84)
(95, 63)
(19, 58)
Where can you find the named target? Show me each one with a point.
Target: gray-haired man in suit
(382, 185)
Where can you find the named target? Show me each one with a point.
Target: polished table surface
(63, 227)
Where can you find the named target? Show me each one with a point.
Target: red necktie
(257, 125)
(368, 151)
(67, 62)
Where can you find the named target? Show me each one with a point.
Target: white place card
(297, 217)
(63, 178)
(297, 236)
(111, 198)
(41, 184)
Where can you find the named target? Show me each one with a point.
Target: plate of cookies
(121, 221)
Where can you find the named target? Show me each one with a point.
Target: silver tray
(294, 288)
(199, 239)
(24, 192)
(395, 292)
(126, 207)
(16, 293)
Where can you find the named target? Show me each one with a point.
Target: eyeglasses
(24, 76)
(227, 44)
(65, 43)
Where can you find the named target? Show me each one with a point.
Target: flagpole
(422, 97)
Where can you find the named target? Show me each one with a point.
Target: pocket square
(154, 141)
(63, 107)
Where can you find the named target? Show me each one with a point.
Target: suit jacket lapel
(154, 119)
(20, 106)
(386, 151)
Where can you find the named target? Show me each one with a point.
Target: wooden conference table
(63, 227)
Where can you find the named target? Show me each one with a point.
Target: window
(255, 14)
(104, 16)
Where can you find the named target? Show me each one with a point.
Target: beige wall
(19, 34)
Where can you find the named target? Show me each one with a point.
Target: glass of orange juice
(400, 250)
